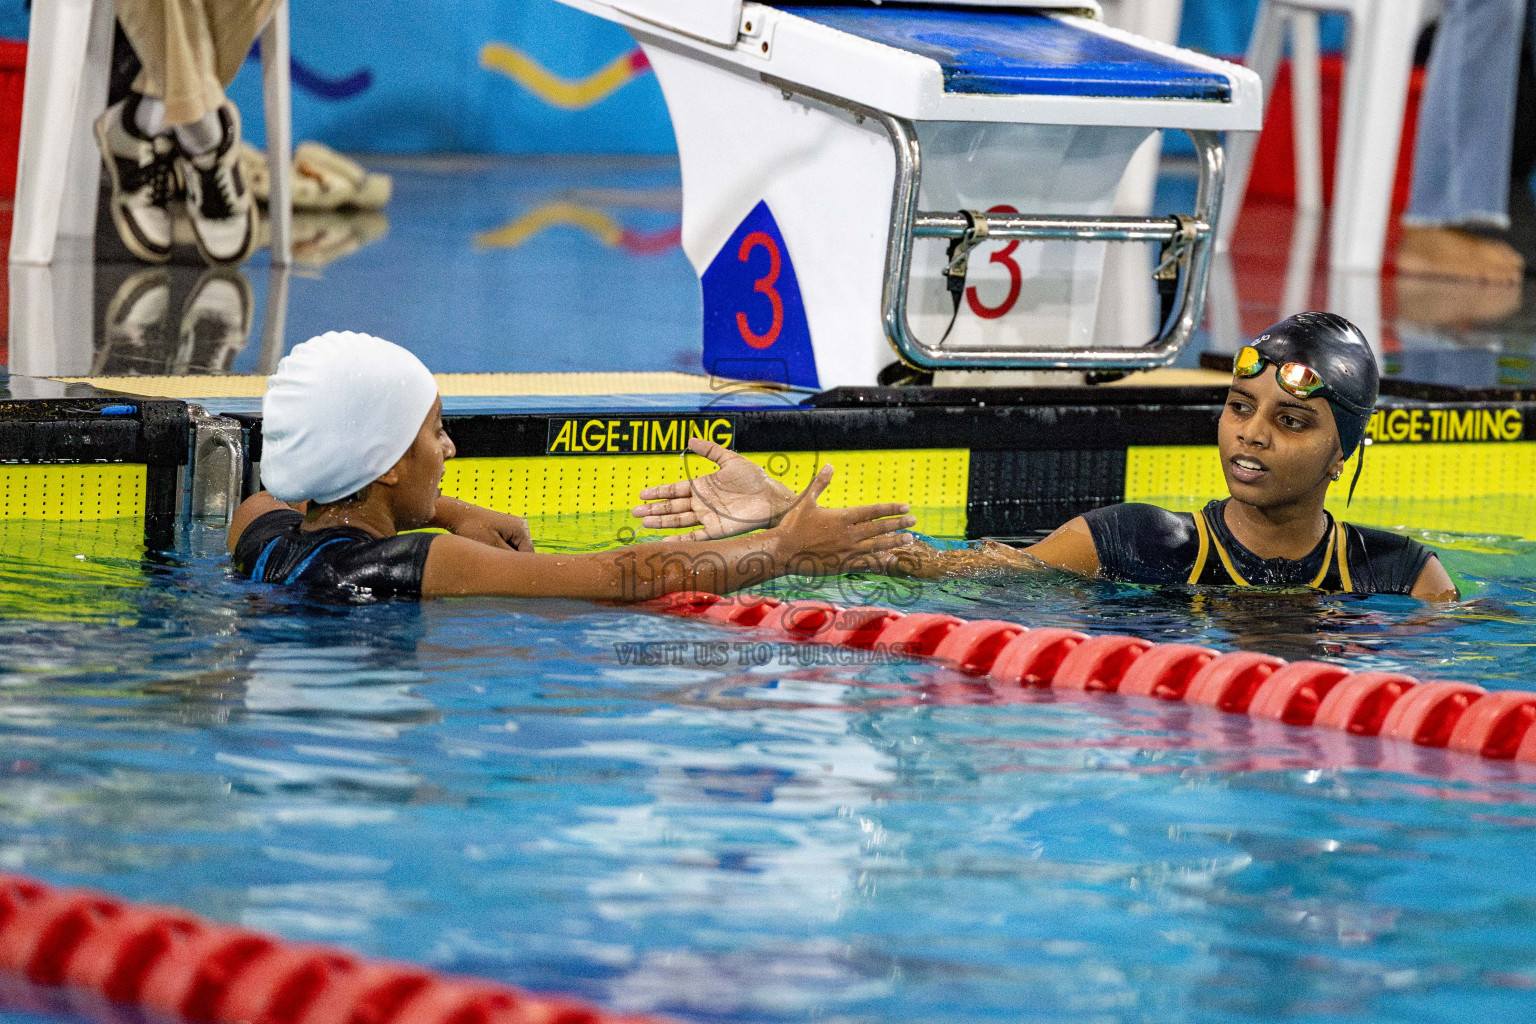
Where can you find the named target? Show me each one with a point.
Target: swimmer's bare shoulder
(1434, 583)
(252, 509)
(1069, 548)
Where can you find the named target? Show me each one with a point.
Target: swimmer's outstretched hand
(737, 498)
(816, 541)
(808, 541)
(498, 529)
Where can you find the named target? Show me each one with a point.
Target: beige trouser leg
(190, 49)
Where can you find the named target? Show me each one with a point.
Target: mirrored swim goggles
(1297, 379)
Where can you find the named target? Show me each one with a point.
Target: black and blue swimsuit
(338, 561)
(1146, 544)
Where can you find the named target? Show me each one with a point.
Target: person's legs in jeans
(1462, 154)
(190, 51)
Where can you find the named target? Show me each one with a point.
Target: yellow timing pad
(933, 481)
(1465, 488)
(76, 492)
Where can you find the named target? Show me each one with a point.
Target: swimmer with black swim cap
(1300, 400)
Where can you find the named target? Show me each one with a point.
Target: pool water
(495, 787)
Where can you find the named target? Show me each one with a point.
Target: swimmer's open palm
(817, 541)
(737, 498)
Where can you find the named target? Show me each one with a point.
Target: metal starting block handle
(1168, 230)
(1186, 241)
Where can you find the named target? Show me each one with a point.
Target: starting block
(858, 177)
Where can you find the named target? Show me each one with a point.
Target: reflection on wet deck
(574, 264)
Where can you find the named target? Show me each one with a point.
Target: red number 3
(764, 285)
(1015, 278)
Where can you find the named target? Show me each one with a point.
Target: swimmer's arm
(252, 509)
(1070, 548)
(498, 529)
(810, 540)
(1434, 583)
(460, 567)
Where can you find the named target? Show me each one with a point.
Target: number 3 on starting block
(755, 326)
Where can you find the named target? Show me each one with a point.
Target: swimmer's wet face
(1276, 449)
(415, 480)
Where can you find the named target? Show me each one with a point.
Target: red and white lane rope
(1455, 716)
(172, 962)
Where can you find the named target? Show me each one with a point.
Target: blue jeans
(1462, 154)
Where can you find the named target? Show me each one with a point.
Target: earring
(1338, 474)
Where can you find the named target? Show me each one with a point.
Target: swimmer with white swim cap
(353, 452)
(1300, 399)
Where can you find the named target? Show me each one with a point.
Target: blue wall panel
(428, 91)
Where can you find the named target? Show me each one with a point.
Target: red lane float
(740, 612)
(1360, 703)
(973, 648)
(922, 632)
(1428, 713)
(1229, 681)
(172, 962)
(859, 627)
(1165, 671)
(1294, 693)
(1032, 657)
(803, 620)
(1099, 663)
(1458, 716)
(1495, 725)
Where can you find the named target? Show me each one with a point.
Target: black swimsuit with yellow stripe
(1146, 544)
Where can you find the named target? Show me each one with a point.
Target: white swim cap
(341, 409)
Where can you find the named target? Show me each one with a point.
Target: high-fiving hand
(737, 498)
(818, 541)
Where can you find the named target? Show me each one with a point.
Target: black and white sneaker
(219, 202)
(143, 175)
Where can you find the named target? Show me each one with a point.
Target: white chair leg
(1306, 110)
(1373, 125)
(277, 99)
(1264, 60)
(60, 31)
(77, 219)
(1356, 84)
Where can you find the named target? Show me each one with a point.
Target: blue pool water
(485, 786)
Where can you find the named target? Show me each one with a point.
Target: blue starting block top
(1012, 53)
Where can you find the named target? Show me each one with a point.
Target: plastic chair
(69, 64)
(1379, 61)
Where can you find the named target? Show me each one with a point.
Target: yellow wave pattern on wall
(567, 94)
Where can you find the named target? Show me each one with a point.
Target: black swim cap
(1337, 350)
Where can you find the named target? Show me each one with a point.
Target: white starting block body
(814, 137)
